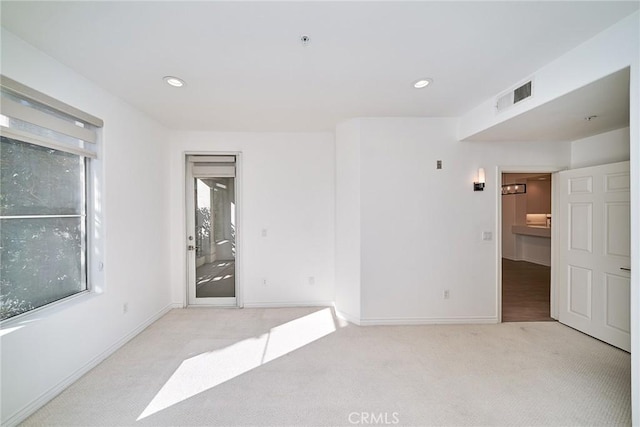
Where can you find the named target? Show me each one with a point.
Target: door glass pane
(215, 237)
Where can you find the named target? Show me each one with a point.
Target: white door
(211, 230)
(593, 273)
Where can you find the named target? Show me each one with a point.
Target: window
(46, 154)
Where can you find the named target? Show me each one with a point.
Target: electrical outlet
(264, 232)
(445, 294)
(264, 281)
(312, 280)
(125, 308)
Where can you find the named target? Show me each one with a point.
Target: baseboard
(428, 321)
(348, 317)
(39, 402)
(288, 304)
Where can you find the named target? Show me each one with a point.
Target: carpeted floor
(302, 366)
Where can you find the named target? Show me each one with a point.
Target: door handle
(625, 269)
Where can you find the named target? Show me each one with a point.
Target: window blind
(34, 117)
(218, 166)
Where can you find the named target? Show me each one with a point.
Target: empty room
(323, 213)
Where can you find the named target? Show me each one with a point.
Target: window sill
(47, 310)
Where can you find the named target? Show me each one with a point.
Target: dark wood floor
(525, 291)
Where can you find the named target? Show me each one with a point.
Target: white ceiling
(246, 69)
(564, 118)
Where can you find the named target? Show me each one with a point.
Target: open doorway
(526, 247)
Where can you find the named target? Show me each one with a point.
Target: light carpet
(302, 366)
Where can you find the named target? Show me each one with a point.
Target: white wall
(514, 212)
(509, 218)
(348, 251)
(533, 249)
(421, 228)
(608, 147)
(287, 188)
(42, 355)
(610, 51)
(616, 48)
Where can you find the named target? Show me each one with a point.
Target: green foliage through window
(42, 226)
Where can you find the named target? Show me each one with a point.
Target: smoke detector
(305, 40)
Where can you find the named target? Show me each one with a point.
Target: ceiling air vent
(513, 97)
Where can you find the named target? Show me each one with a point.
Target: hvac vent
(507, 100)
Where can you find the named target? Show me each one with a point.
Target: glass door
(211, 234)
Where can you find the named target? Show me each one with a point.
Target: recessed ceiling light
(422, 83)
(174, 81)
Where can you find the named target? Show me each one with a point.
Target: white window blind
(34, 117)
(219, 166)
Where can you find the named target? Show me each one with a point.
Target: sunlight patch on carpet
(207, 370)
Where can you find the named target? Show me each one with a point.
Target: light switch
(487, 235)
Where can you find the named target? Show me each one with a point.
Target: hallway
(526, 289)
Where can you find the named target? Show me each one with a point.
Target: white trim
(26, 92)
(44, 398)
(498, 191)
(44, 142)
(288, 304)
(47, 120)
(187, 174)
(210, 159)
(428, 321)
(40, 216)
(48, 309)
(348, 317)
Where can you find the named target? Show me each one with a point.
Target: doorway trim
(554, 238)
(239, 262)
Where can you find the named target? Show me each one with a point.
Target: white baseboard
(427, 321)
(348, 317)
(44, 398)
(288, 304)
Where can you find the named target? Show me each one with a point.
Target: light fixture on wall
(479, 184)
(513, 189)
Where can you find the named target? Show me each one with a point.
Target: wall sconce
(514, 189)
(479, 184)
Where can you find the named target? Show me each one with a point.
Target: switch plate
(439, 164)
(487, 236)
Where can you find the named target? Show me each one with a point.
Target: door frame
(554, 238)
(239, 225)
